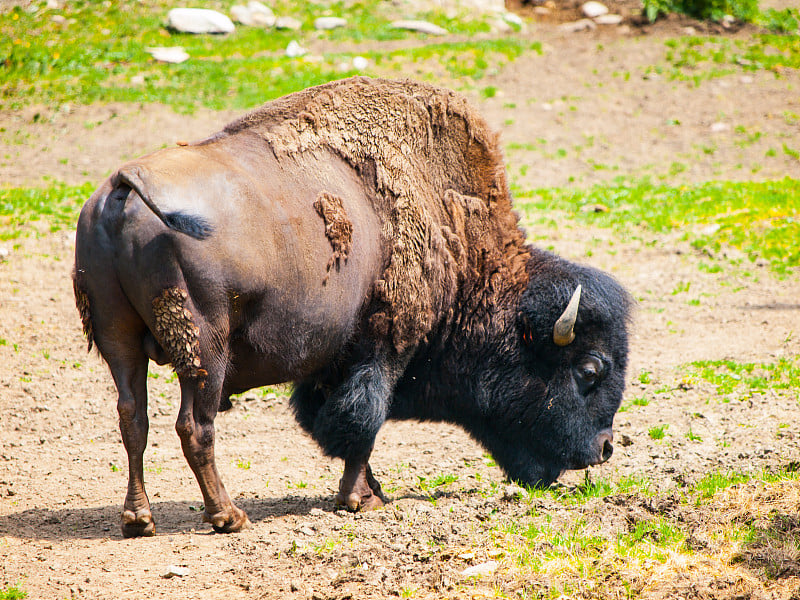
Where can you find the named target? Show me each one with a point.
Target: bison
(357, 239)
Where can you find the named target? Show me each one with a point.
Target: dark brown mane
(440, 178)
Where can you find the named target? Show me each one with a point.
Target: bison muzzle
(358, 240)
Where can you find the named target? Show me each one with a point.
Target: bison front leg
(195, 427)
(346, 421)
(358, 489)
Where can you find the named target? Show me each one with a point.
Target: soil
(63, 467)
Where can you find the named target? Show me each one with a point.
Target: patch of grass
(729, 376)
(744, 10)
(657, 432)
(700, 58)
(693, 437)
(780, 21)
(762, 219)
(732, 527)
(713, 483)
(98, 54)
(56, 207)
(13, 593)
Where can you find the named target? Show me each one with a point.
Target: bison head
(553, 404)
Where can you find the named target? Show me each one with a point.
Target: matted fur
(82, 303)
(177, 332)
(441, 188)
(338, 228)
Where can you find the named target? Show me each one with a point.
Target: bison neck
(455, 376)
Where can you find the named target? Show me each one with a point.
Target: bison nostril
(608, 450)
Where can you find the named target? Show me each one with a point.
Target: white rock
(293, 50)
(175, 571)
(513, 492)
(513, 18)
(199, 20)
(288, 23)
(609, 19)
(500, 26)
(175, 54)
(421, 26)
(360, 63)
(329, 23)
(575, 26)
(480, 570)
(719, 126)
(3, 253)
(594, 9)
(241, 14)
(261, 14)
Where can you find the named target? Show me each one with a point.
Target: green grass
(13, 593)
(622, 542)
(697, 59)
(98, 55)
(762, 219)
(712, 483)
(730, 376)
(55, 207)
(657, 432)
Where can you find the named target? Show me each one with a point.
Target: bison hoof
(228, 521)
(138, 524)
(357, 503)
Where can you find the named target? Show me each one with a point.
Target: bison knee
(184, 427)
(126, 408)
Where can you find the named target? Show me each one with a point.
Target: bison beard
(358, 239)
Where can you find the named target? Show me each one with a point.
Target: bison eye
(587, 372)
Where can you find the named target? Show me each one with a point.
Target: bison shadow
(171, 517)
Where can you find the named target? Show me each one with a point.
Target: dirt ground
(63, 469)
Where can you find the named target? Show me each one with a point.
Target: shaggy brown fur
(435, 162)
(82, 302)
(177, 332)
(338, 228)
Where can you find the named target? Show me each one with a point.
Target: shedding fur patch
(177, 332)
(338, 228)
(82, 302)
(449, 231)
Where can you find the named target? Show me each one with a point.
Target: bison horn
(563, 330)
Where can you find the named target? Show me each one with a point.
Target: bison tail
(192, 225)
(131, 177)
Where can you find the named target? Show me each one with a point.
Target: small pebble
(175, 571)
(480, 570)
(294, 50)
(325, 23)
(593, 9)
